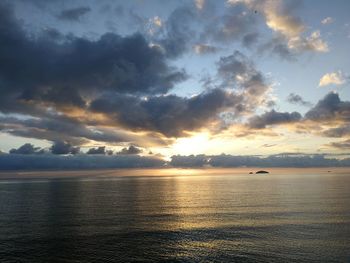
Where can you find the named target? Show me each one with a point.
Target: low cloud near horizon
(100, 161)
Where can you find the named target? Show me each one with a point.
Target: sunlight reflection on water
(218, 216)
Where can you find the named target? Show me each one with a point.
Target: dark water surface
(291, 217)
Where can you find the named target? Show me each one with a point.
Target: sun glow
(192, 145)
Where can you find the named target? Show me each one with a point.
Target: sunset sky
(240, 77)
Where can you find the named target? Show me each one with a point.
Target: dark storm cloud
(26, 148)
(74, 14)
(98, 150)
(330, 108)
(282, 160)
(297, 99)
(51, 71)
(59, 162)
(130, 150)
(170, 115)
(273, 117)
(62, 72)
(61, 147)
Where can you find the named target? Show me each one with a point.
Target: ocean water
(176, 216)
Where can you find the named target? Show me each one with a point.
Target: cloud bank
(97, 161)
(281, 160)
(61, 162)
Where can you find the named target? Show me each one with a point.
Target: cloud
(273, 117)
(335, 78)
(279, 17)
(61, 147)
(241, 89)
(170, 115)
(328, 20)
(157, 21)
(199, 4)
(329, 117)
(250, 39)
(231, 26)
(154, 24)
(330, 108)
(84, 161)
(130, 150)
(126, 65)
(189, 161)
(338, 132)
(311, 43)
(238, 73)
(98, 150)
(297, 99)
(343, 145)
(114, 89)
(178, 33)
(68, 72)
(277, 46)
(61, 162)
(57, 127)
(279, 160)
(289, 49)
(203, 49)
(26, 149)
(267, 145)
(52, 80)
(74, 14)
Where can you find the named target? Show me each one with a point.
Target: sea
(176, 215)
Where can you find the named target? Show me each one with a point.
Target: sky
(164, 78)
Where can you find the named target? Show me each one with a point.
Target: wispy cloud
(297, 99)
(74, 14)
(202, 49)
(199, 4)
(328, 20)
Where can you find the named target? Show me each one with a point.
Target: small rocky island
(262, 172)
